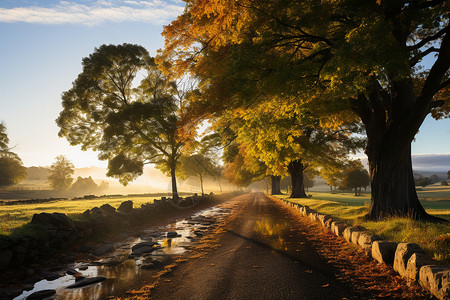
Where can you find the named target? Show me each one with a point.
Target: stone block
(436, 279)
(365, 241)
(402, 255)
(415, 262)
(384, 251)
(338, 228)
(323, 218)
(347, 234)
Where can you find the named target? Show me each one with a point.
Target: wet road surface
(265, 253)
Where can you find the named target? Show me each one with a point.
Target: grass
(15, 216)
(433, 238)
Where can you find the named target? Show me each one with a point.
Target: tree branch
(427, 39)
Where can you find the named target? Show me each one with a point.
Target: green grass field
(431, 237)
(14, 216)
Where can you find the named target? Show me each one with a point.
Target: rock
(83, 268)
(436, 279)
(323, 218)
(355, 236)
(198, 233)
(41, 294)
(126, 206)
(172, 234)
(86, 281)
(52, 276)
(87, 213)
(144, 247)
(57, 220)
(96, 211)
(347, 234)
(402, 255)
(79, 278)
(108, 209)
(313, 216)
(384, 251)
(365, 241)
(103, 249)
(71, 272)
(5, 258)
(338, 227)
(415, 262)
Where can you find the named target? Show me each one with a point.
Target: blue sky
(41, 47)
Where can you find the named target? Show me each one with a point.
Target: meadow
(433, 238)
(14, 216)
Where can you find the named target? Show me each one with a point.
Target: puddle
(274, 231)
(123, 269)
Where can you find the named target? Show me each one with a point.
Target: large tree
(354, 176)
(122, 106)
(12, 170)
(340, 54)
(61, 172)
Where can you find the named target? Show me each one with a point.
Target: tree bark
(393, 189)
(173, 165)
(295, 169)
(276, 185)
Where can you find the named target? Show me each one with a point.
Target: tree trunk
(295, 169)
(201, 184)
(276, 185)
(220, 185)
(356, 191)
(393, 189)
(173, 165)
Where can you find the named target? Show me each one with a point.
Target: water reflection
(121, 269)
(273, 231)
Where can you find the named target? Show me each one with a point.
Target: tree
(448, 174)
(355, 176)
(61, 172)
(363, 56)
(198, 165)
(129, 125)
(12, 170)
(84, 185)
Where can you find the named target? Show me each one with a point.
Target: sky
(42, 44)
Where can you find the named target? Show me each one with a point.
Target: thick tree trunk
(173, 165)
(276, 185)
(295, 169)
(393, 189)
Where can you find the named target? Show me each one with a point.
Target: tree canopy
(354, 176)
(122, 106)
(61, 172)
(12, 170)
(353, 61)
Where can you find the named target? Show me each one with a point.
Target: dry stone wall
(407, 259)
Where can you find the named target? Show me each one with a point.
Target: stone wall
(56, 231)
(407, 259)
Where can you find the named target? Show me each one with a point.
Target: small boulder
(108, 209)
(144, 247)
(96, 211)
(402, 255)
(338, 228)
(365, 241)
(347, 234)
(172, 234)
(41, 294)
(436, 279)
(384, 251)
(355, 236)
(126, 206)
(415, 262)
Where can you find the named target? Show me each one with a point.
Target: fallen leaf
(326, 285)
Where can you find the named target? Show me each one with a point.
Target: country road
(267, 252)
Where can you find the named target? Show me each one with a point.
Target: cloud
(65, 12)
(431, 162)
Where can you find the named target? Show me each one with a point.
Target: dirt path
(267, 252)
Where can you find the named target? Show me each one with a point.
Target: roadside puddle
(133, 260)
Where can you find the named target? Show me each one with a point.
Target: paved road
(259, 258)
(266, 253)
